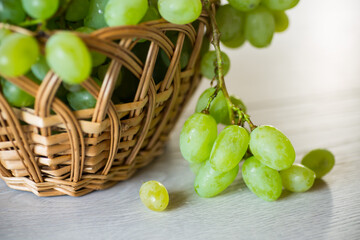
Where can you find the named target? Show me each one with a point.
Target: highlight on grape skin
(154, 196)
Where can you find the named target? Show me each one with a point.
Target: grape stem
(219, 74)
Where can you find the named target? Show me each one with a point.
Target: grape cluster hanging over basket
(50, 149)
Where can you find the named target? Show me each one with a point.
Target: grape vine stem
(219, 74)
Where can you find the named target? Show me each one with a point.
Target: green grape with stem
(154, 195)
(77, 10)
(245, 5)
(124, 12)
(263, 181)
(96, 58)
(18, 53)
(230, 22)
(197, 137)
(321, 161)
(11, 11)
(68, 57)
(209, 183)
(218, 108)
(297, 178)
(95, 17)
(259, 27)
(207, 66)
(180, 12)
(270, 146)
(40, 9)
(229, 148)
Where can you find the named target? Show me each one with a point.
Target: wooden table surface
(307, 84)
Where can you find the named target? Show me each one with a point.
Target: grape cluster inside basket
(51, 150)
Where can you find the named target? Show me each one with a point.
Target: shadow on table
(177, 199)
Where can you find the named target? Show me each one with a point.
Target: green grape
(207, 66)
(95, 16)
(180, 12)
(102, 70)
(154, 195)
(259, 27)
(209, 183)
(321, 161)
(96, 58)
(125, 12)
(4, 33)
(69, 57)
(81, 100)
(272, 147)
(77, 10)
(12, 11)
(78, 87)
(195, 167)
(245, 5)
(151, 14)
(40, 68)
(230, 21)
(72, 87)
(297, 178)
(18, 53)
(219, 108)
(40, 9)
(281, 21)
(185, 52)
(236, 42)
(15, 96)
(263, 181)
(229, 148)
(280, 5)
(197, 137)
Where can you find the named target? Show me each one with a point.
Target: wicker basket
(51, 150)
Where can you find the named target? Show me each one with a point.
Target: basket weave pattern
(51, 150)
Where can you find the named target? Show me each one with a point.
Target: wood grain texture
(307, 84)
